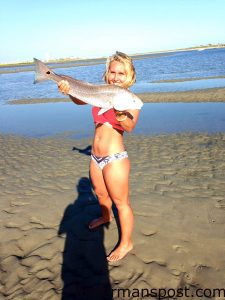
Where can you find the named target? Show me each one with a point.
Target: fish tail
(41, 71)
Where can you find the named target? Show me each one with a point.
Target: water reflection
(67, 119)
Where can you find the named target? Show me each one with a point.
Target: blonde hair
(128, 64)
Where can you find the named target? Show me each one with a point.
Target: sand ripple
(177, 193)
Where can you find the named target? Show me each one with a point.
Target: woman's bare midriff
(107, 141)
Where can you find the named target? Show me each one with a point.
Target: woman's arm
(64, 88)
(128, 118)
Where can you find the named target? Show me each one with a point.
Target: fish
(105, 96)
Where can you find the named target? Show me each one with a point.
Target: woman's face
(117, 73)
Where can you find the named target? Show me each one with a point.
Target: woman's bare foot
(98, 222)
(120, 252)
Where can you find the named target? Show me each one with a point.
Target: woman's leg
(102, 194)
(116, 177)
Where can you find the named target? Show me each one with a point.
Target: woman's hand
(127, 118)
(64, 87)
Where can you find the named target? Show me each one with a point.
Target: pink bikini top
(108, 118)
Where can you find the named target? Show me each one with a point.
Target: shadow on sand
(86, 151)
(85, 268)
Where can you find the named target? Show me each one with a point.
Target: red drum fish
(106, 96)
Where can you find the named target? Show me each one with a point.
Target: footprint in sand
(216, 215)
(180, 249)
(148, 231)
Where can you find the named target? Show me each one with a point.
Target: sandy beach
(177, 193)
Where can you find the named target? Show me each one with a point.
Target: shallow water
(169, 66)
(59, 118)
(69, 120)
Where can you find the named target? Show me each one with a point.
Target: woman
(110, 166)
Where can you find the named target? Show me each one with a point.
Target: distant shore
(68, 63)
(206, 95)
(93, 61)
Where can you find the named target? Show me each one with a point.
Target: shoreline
(133, 56)
(29, 67)
(206, 95)
(177, 194)
(73, 62)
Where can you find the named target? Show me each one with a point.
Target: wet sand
(206, 95)
(177, 194)
(187, 79)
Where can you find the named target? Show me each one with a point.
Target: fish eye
(48, 72)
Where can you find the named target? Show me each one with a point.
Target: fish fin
(40, 71)
(103, 110)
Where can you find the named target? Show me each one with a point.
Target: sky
(52, 29)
